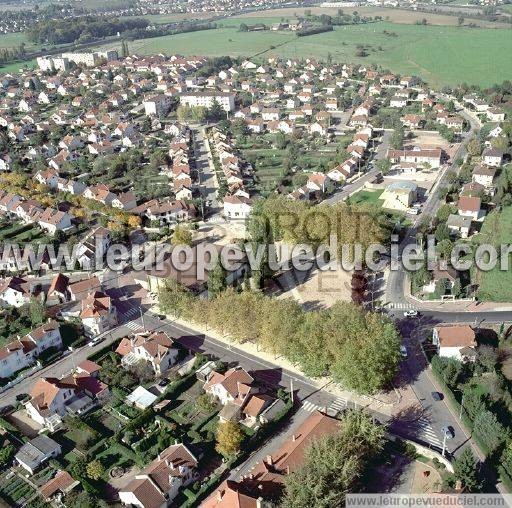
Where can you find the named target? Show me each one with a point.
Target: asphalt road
(206, 177)
(353, 187)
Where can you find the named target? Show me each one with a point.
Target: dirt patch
(316, 288)
(426, 479)
(428, 139)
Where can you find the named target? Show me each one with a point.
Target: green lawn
(496, 285)
(442, 55)
(366, 198)
(16, 66)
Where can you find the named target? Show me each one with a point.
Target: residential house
(93, 247)
(484, 175)
(36, 452)
(267, 477)
(493, 157)
(125, 201)
(60, 485)
(233, 389)
(237, 207)
(98, 314)
(398, 102)
(455, 341)
(231, 494)
(416, 155)
(459, 225)
(158, 484)
(51, 399)
(81, 289)
(16, 291)
(156, 348)
(469, 206)
(58, 292)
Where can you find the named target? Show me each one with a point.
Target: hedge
(140, 420)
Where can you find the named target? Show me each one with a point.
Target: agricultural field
(440, 55)
(401, 16)
(496, 285)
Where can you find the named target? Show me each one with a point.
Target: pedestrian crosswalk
(427, 432)
(134, 326)
(339, 404)
(131, 312)
(404, 306)
(310, 407)
(335, 406)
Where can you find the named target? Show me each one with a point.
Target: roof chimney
(294, 437)
(269, 460)
(218, 495)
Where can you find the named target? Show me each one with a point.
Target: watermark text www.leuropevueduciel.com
(203, 257)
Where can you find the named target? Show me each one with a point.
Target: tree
(216, 280)
(229, 438)
(465, 470)
(182, 236)
(95, 470)
(397, 138)
(487, 357)
(78, 468)
(216, 112)
(205, 403)
(334, 463)
(457, 289)
(442, 233)
(444, 248)
(444, 212)
(490, 431)
(474, 148)
(6, 454)
(37, 311)
(383, 165)
(460, 20)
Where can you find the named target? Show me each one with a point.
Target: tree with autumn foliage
(229, 438)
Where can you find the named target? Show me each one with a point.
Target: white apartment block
(207, 99)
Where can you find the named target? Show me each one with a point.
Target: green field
(441, 55)
(366, 197)
(496, 285)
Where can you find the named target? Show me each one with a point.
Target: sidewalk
(386, 403)
(454, 306)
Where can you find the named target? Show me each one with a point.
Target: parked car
(437, 396)
(448, 432)
(6, 409)
(403, 351)
(411, 313)
(95, 341)
(163, 382)
(22, 397)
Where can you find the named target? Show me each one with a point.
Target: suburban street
(358, 184)
(206, 176)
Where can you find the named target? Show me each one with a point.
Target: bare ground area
(402, 16)
(316, 288)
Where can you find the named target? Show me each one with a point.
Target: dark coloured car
(437, 396)
(448, 432)
(21, 397)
